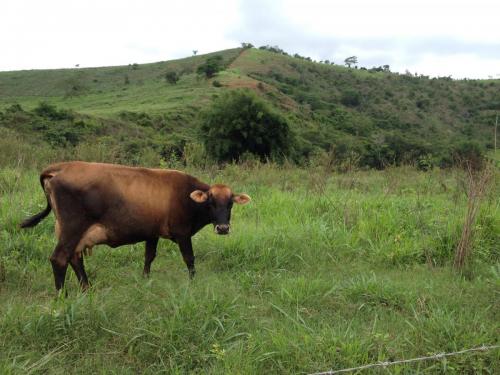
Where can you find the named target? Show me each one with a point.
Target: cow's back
(131, 203)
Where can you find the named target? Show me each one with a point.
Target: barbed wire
(418, 359)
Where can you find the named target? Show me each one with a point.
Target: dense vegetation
(371, 118)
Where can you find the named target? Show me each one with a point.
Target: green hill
(378, 116)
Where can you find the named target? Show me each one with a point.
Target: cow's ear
(199, 196)
(241, 199)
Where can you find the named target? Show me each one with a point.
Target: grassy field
(321, 271)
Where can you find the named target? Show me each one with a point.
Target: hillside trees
(240, 122)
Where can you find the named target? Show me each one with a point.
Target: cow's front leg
(187, 253)
(150, 254)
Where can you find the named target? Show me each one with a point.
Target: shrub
(240, 122)
(14, 108)
(393, 149)
(351, 98)
(425, 163)
(423, 103)
(274, 49)
(216, 84)
(139, 118)
(171, 77)
(194, 155)
(468, 154)
(66, 133)
(51, 112)
(75, 85)
(211, 66)
(17, 151)
(477, 186)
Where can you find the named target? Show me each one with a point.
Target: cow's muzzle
(222, 228)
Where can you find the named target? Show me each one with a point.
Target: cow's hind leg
(76, 262)
(59, 260)
(94, 235)
(149, 254)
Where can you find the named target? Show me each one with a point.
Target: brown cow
(97, 203)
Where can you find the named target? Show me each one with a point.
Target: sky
(459, 38)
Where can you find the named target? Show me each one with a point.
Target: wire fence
(404, 361)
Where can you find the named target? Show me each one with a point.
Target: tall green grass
(321, 271)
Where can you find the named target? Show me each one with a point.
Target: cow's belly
(99, 234)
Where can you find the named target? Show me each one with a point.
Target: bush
(171, 77)
(274, 49)
(240, 122)
(216, 84)
(393, 149)
(14, 108)
(139, 118)
(351, 98)
(66, 133)
(75, 85)
(17, 151)
(425, 163)
(51, 112)
(467, 154)
(194, 155)
(211, 66)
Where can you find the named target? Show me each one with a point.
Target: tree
(240, 122)
(246, 45)
(211, 66)
(352, 60)
(195, 51)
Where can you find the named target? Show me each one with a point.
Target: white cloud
(457, 66)
(439, 37)
(61, 33)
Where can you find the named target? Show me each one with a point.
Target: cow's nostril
(222, 228)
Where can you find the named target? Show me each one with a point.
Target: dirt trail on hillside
(244, 81)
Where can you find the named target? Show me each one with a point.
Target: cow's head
(219, 199)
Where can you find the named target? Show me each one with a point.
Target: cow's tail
(34, 220)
